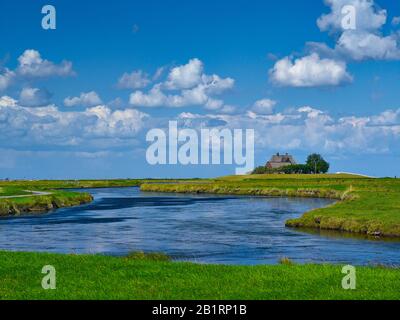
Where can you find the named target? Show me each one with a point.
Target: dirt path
(32, 194)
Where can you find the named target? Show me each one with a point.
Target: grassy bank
(17, 197)
(40, 204)
(65, 184)
(100, 277)
(366, 206)
(24, 201)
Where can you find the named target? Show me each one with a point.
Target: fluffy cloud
(86, 99)
(309, 129)
(159, 72)
(325, 66)
(101, 128)
(185, 85)
(264, 106)
(32, 65)
(309, 71)
(185, 76)
(154, 98)
(366, 40)
(157, 98)
(215, 84)
(360, 45)
(134, 80)
(196, 96)
(120, 123)
(388, 117)
(34, 97)
(214, 104)
(6, 79)
(96, 128)
(368, 16)
(6, 101)
(228, 109)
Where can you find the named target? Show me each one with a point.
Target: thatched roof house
(279, 161)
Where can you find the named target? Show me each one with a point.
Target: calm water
(206, 229)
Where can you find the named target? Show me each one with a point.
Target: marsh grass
(286, 261)
(40, 204)
(150, 256)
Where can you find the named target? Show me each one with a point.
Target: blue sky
(67, 111)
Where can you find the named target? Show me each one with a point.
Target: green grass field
(100, 277)
(12, 191)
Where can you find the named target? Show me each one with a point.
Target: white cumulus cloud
(6, 101)
(32, 65)
(264, 106)
(361, 45)
(308, 129)
(309, 71)
(368, 16)
(93, 129)
(185, 86)
(134, 80)
(86, 99)
(185, 76)
(366, 41)
(34, 97)
(6, 79)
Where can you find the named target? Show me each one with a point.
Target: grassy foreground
(101, 277)
(366, 205)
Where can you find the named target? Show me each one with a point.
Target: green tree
(317, 164)
(296, 169)
(260, 170)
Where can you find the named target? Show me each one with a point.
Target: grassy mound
(40, 204)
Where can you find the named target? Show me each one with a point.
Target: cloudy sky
(77, 102)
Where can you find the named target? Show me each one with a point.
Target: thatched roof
(278, 161)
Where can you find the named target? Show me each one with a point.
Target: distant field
(58, 184)
(366, 205)
(12, 191)
(291, 177)
(101, 277)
